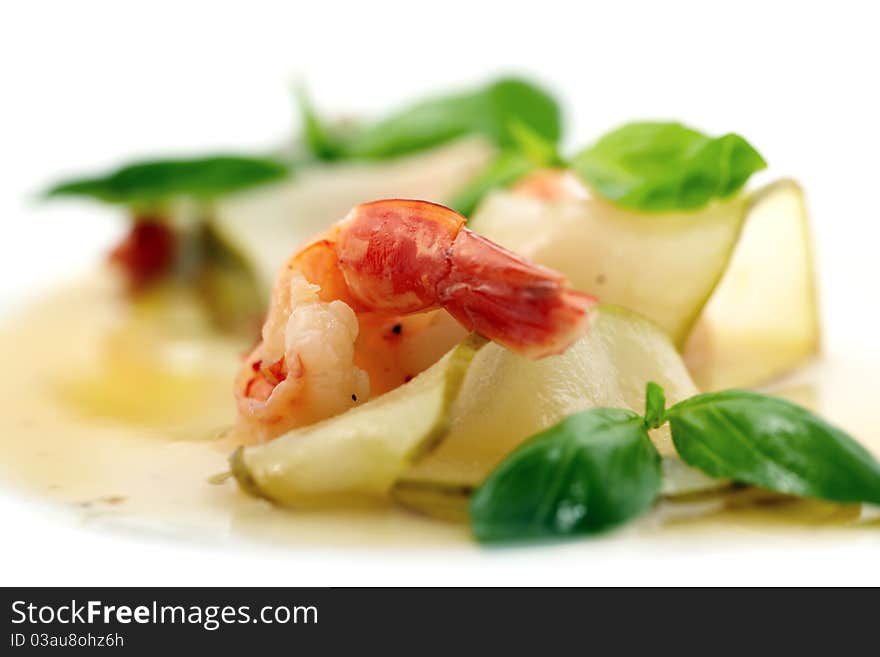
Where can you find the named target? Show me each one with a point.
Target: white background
(87, 84)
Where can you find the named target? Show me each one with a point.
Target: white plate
(811, 110)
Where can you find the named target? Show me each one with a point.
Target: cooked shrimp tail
(348, 308)
(411, 256)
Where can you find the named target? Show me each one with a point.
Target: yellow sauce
(119, 415)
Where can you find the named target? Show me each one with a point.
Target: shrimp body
(382, 295)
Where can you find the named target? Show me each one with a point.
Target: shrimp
(380, 297)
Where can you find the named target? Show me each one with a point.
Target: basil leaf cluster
(492, 111)
(521, 120)
(662, 167)
(598, 468)
(150, 182)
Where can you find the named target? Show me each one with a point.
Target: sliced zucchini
(762, 319)
(663, 266)
(361, 452)
(506, 398)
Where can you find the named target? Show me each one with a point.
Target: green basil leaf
(537, 148)
(150, 182)
(504, 170)
(659, 167)
(488, 111)
(774, 444)
(422, 126)
(593, 470)
(320, 140)
(512, 102)
(532, 151)
(655, 406)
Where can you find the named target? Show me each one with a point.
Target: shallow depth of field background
(86, 85)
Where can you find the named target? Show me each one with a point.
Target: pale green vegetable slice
(762, 319)
(267, 224)
(507, 398)
(361, 452)
(663, 266)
